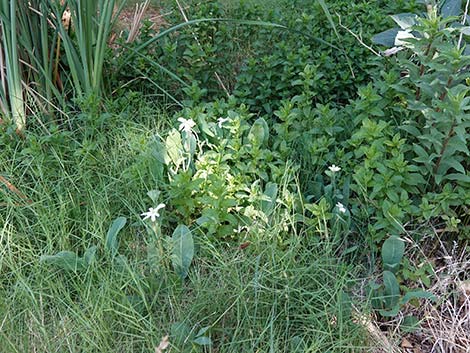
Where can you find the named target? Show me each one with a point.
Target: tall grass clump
(52, 52)
(12, 104)
(92, 22)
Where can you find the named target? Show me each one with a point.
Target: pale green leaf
(66, 260)
(391, 289)
(405, 20)
(89, 255)
(202, 341)
(270, 194)
(174, 147)
(183, 250)
(417, 294)
(112, 242)
(392, 251)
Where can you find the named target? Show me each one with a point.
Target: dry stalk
(137, 20)
(358, 37)
(378, 338)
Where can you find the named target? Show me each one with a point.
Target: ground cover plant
(234, 176)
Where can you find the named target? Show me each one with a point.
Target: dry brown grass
(446, 325)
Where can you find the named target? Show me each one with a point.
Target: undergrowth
(228, 186)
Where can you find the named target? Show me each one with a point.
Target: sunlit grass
(264, 297)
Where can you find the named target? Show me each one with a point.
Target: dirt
(127, 15)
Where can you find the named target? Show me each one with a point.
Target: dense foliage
(268, 141)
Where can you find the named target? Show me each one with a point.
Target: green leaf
(66, 260)
(409, 324)
(457, 143)
(179, 332)
(259, 133)
(392, 252)
(350, 250)
(391, 289)
(154, 196)
(174, 147)
(390, 313)
(417, 294)
(190, 144)
(458, 177)
(405, 20)
(202, 341)
(112, 243)
(386, 38)
(202, 331)
(450, 163)
(297, 345)
(271, 195)
(183, 250)
(89, 255)
(345, 305)
(423, 156)
(451, 8)
(158, 151)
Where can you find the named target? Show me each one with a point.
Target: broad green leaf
(174, 147)
(259, 133)
(458, 177)
(159, 152)
(391, 289)
(202, 331)
(202, 341)
(66, 260)
(465, 30)
(179, 332)
(417, 294)
(451, 8)
(450, 163)
(457, 143)
(423, 156)
(392, 251)
(386, 38)
(112, 243)
(390, 313)
(271, 195)
(405, 20)
(183, 250)
(89, 255)
(154, 196)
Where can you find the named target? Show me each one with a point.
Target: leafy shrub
(261, 65)
(218, 173)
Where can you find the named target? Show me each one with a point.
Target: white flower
(402, 35)
(186, 124)
(334, 168)
(221, 121)
(341, 207)
(392, 51)
(153, 212)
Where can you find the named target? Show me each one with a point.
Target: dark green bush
(261, 65)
